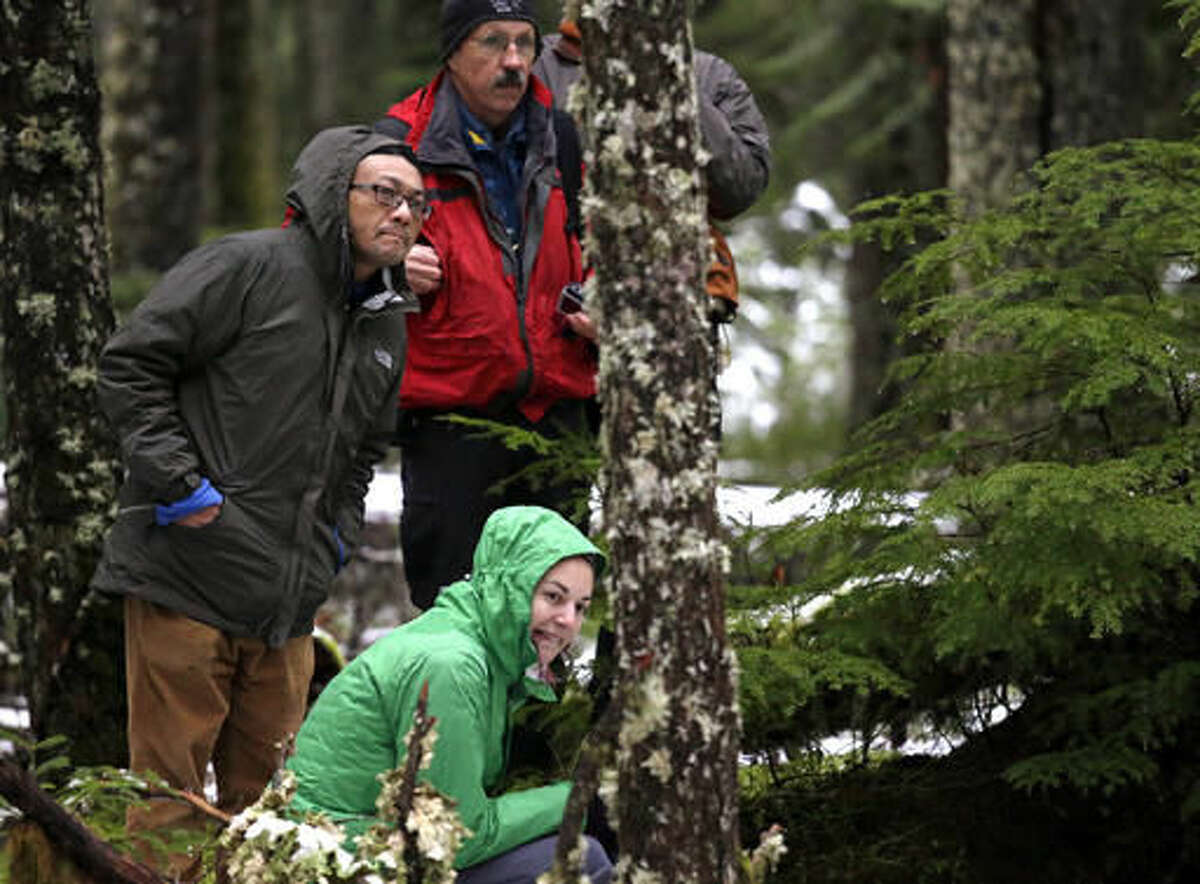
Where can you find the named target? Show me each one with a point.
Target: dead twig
(422, 724)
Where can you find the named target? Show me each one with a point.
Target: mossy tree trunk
(676, 804)
(61, 462)
(152, 54)
(248, 181)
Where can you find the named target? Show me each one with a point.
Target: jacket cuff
(203, 497)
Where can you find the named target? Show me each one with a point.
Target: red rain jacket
(491, 336)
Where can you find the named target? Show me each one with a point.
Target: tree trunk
(679, 730)
(61, 463)
(1026, 78)
(995, 98)
(1093, 70)
(1030, 77)
(873, 331)
(152, 53)
(320, 71)
(247, 182)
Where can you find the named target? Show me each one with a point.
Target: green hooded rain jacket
(473, 648)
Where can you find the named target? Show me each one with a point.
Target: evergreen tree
(1024, 584)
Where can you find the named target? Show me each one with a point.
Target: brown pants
(198, 695)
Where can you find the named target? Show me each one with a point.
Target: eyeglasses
(497, 43)
(391, 198)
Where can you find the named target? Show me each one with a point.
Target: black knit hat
(460, 17)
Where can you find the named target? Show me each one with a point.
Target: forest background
(1011, 649)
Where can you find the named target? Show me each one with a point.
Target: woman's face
(560, 601)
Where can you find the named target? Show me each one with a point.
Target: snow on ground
(740, 505)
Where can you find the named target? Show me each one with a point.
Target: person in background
(494, 259)
(735, 136)
(252, 391)
(483, 649)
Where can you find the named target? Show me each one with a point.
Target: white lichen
(648, 712)
(39, 310)
(642, 875)
(658, 762)
(766, 856)
(47, 81)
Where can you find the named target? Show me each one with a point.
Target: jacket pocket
(232, 565)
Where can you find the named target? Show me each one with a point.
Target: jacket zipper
(499, 236)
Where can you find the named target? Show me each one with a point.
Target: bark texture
(1093, 70)
(247, 182)
(995, 97)
(676, 795)
(1031, 76)
(151, 55)
(61, 463)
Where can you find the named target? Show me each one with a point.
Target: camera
(570, 299)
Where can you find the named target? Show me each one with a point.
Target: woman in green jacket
(478, 648)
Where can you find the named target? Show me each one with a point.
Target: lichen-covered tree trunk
(1031, 76)
(676, 799)
(61, 463)
(152, 54)
(995, 97)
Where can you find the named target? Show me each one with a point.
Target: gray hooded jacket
(246, 365)
(731, 125)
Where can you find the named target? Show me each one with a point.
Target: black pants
(448, 472)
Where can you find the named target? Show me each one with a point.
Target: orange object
(721, 281)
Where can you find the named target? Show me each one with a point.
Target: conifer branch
(94, 857)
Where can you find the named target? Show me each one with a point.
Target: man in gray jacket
(734, 134)
(252, 391)
(732, 130)
(731, 126)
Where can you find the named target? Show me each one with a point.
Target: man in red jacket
(496, 254)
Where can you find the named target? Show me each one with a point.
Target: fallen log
(95, 858)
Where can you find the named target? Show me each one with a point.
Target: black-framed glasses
(497, 43)
(391, 198)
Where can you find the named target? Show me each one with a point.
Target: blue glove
(202, 497)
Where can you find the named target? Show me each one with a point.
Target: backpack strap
(570, 167)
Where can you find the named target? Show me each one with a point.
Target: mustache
(508, 78)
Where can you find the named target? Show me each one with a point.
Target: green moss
(39, 309)
(47, 81)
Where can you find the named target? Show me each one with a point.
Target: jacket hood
(319, 192)
(519, 544)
